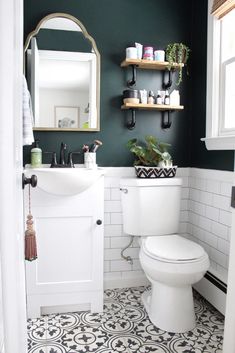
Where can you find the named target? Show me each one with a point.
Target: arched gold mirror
(62, 68)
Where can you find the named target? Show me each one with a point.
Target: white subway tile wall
(210, 215)
(205, 217)
(116, 268)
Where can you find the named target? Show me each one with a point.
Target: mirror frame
(95, 50)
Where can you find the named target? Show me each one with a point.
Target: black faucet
(63, 147)
(62, 163)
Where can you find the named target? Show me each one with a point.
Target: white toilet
(172, 263)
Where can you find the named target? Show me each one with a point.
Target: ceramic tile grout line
(30, 235)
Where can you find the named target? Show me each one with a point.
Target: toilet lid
(172, 248)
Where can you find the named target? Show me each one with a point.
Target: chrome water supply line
(128, 258)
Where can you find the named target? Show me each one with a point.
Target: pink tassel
(30, 240)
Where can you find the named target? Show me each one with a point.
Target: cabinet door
(70, 247)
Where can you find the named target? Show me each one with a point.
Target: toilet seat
(173, 249)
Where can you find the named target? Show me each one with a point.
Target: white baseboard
(210, 292)
(47, 310)
(111, 283)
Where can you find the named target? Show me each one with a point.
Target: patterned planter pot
(155, 172)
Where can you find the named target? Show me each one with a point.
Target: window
(220, 126)
(227, 63)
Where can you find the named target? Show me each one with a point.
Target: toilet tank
(150, 206)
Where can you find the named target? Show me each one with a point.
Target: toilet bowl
(172, 264)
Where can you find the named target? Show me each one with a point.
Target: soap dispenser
(36, 155)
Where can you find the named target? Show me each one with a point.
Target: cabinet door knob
(32, 181)
(99, 222)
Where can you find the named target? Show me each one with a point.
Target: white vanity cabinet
(68, 274)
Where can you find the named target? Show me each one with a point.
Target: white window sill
(220, 143)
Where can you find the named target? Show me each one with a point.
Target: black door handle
(99, 222)
(32, 181)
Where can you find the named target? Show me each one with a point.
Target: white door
(12, 282)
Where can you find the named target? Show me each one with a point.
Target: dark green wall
(48, 39)
(116, 24)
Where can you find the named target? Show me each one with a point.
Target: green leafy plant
(177, 53)
(150, 153)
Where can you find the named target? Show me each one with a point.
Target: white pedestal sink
(64, 181)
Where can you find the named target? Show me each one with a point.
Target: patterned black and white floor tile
(124, 327)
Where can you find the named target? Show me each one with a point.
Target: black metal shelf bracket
(131, 124)
(132, 82)
(166, 123)
(168, 84)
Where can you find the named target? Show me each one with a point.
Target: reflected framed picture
(67, 117)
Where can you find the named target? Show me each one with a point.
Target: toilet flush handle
(124, 190)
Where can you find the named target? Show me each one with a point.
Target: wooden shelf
(161, 107)
(151, 65)
(165, 109)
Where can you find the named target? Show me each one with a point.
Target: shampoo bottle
(36, 155)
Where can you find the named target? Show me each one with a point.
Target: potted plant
(177, 53)
(153, 159)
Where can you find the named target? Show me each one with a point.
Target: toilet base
(170, 308)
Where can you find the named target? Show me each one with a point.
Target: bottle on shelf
(151, 97)
(175, 98)
(167, 98)
(159, 98)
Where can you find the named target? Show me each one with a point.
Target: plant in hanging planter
(177, 53)
(153, 160)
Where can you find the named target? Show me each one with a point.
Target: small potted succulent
(153, 159)
(177, 53)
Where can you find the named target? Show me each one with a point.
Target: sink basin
(65, 181)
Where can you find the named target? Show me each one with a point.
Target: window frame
(213, 139)
(222, 130)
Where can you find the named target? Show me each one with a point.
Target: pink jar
(148, 53)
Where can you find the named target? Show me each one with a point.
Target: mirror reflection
(62, 71)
